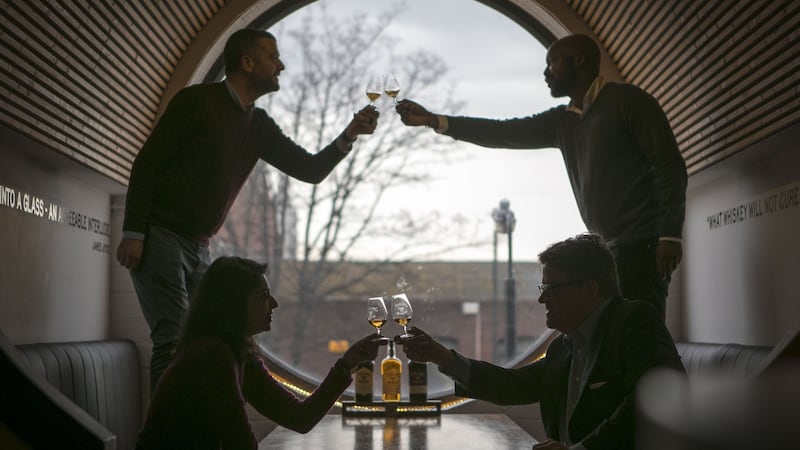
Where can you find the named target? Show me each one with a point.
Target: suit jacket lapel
(598, 340)
(554, 385)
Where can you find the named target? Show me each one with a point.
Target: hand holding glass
(392, 87)
(376, 313)
(402, 312)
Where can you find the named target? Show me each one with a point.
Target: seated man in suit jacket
(585, 384)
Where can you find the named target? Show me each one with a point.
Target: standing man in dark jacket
(585, 384)
(623, 162)
(186, 177)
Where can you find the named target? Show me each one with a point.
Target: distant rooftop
(437, 281)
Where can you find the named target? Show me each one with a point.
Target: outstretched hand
(364, 122)
(413, 114)
(420, 346)
(365, 349)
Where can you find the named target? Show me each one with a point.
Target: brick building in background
(452, 301)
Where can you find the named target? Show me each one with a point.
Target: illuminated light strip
(416, 408)
(539, 357)
(453, 403)
(368, 408)
(297, 389)
(398, 409)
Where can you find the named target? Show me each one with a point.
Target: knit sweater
(627, 174)
(199, 155)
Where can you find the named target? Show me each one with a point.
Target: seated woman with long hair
(199, 402)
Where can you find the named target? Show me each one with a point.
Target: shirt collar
(583, 334)
(235, 97)
(589, 97)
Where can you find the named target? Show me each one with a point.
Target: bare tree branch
(327, 61)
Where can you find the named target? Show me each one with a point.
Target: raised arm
(292, 159)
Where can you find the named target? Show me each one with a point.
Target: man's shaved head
(580, 45)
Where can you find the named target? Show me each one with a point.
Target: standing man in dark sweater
(189, 171)
(623, 162)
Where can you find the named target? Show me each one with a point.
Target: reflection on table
(458, 431)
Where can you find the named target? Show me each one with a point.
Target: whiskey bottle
(362, 377)
(417, 381)
(391, 369)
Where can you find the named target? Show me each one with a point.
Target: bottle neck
(391, 349)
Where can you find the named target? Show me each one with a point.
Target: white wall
(54, 253)
(740, 276)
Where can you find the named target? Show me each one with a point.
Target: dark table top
(456, 431)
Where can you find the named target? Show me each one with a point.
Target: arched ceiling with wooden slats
(87, 77)
(727, 72)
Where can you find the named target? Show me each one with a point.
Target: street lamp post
(504, 223)
(494, 297)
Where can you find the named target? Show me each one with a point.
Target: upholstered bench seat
(101, 377)
(732, 359)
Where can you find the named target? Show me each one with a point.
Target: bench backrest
(733, 359)
(101, 377)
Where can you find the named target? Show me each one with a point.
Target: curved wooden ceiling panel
(86, 77)
(726, 72)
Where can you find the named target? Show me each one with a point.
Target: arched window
(408, 211)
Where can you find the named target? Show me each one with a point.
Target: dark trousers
(638, 279)
(171, 267)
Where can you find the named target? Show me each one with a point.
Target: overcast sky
(498, 69)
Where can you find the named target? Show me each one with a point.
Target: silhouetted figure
(200, 400)
(186, 177)
(623, 162)
(585, 383)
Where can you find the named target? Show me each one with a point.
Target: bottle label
(391, 369)
(391, 381)
(417, 379)
(363, 380)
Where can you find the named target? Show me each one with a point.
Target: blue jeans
(638, 278)
(171, 267)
